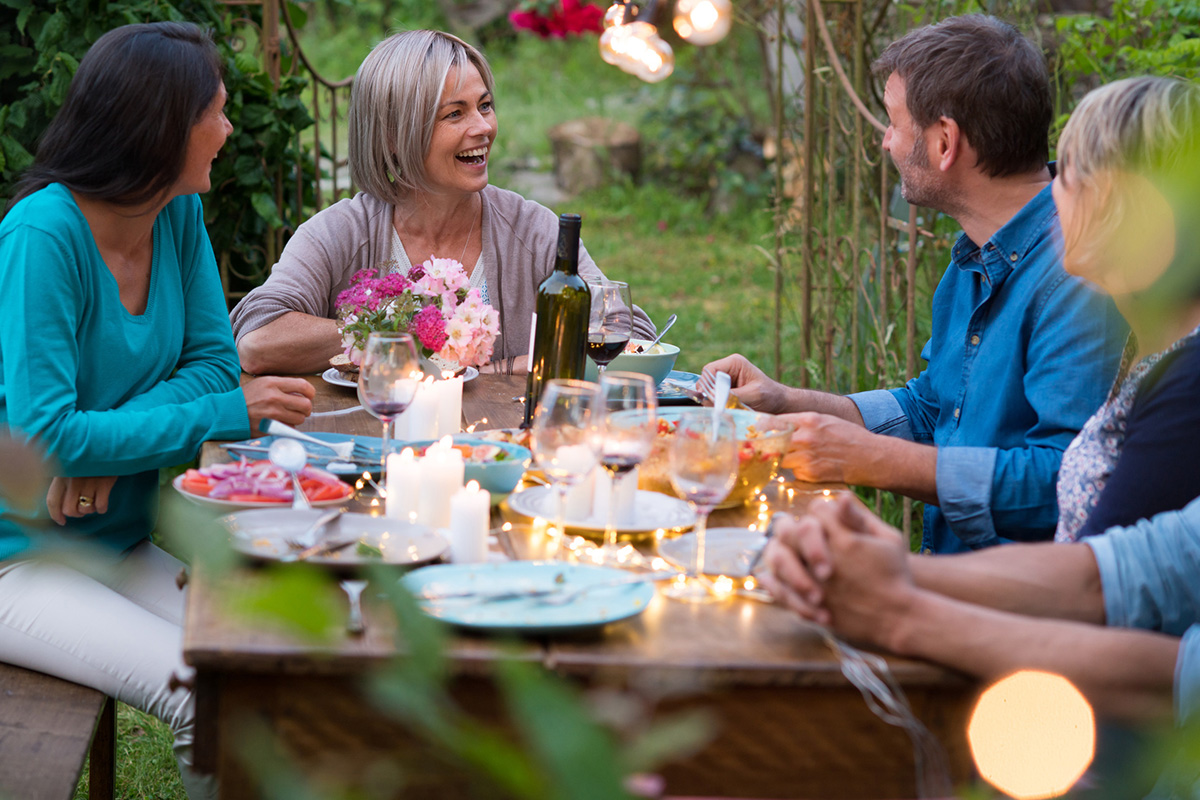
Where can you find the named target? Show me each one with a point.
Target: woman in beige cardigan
(421, 125)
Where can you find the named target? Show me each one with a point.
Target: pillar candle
(449, 404)
(579, 498)
(470, 510)
(403, 485)
(420, 420)
(442, 471)
(626, 495)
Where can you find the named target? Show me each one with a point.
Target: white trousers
(108, 622)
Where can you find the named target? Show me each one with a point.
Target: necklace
(467, 243)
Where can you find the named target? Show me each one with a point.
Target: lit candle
(442, 471)
(420, 420)
(449, 404)
(403, 485)
(470, 509)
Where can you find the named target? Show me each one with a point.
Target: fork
(344, 450)
(354, 590)
(309, 537)
(708, 389)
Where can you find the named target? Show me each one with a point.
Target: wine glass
(625, 435)
(610, 322)
(388, 378)
(563, 438)
(703, 464)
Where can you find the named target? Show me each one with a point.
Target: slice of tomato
(251, 498)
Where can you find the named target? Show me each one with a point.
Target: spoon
(289, 454)
(670, 321)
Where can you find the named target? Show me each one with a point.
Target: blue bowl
(498, 477)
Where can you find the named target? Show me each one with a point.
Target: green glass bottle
(560, 322)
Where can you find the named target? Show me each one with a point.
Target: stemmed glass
(610, 322)
(388, 378)
(625, 435)
(563, 438)
(703, 460)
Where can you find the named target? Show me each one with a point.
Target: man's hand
(845, 561)
(78, 497)
(828, 449)
(286, 400)
(750, 384)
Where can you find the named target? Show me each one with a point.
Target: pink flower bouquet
(432, 302)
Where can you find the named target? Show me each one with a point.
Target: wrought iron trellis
(278, 47)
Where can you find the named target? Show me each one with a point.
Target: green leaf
(264, 206)
(298, 14)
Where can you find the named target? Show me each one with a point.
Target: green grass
(145, 761)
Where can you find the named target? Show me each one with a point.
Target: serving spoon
(288, 454)
(670, 321)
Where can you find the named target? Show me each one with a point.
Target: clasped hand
(842, 567)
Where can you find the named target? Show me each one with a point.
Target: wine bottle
(560, 322)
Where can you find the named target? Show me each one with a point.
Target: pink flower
(429, 328)
(569, 17)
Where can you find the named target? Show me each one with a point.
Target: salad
(475, 454)
(261, 482)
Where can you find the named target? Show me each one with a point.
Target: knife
(322, 549)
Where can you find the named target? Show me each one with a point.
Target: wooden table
(790, 725)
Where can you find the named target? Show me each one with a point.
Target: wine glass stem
(387, 424)
(560, 513)
(600, 368)
(700, 529)
(610, 525)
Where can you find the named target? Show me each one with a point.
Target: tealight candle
(403, 485)
(449, 404)
(442, 471)
(470, 510)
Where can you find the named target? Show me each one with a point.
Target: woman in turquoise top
(116, 359)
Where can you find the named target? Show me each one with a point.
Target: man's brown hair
(987, 77)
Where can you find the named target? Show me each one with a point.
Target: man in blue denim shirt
(1021, 353)
(1117, 614)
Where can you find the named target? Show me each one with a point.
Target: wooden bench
(48, 727)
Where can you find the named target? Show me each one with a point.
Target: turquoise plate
(525, 615)
(669, 390)
(367, 456)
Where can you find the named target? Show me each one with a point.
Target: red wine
(561, 322)
(619, 463)
(387, 409)
(603, 348)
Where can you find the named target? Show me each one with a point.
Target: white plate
(201, 500)
(651, 510)
(526, 615)
(727, 551)
(261, 533)
(331, 375)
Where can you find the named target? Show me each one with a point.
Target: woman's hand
(286, 400)
(78, 497)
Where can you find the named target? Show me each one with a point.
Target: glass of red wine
(388, 378)
(610, 322)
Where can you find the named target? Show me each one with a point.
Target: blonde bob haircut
(1146, 127)
(393, 106)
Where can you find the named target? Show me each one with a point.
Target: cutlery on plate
(309, 537)
(321, 549)
(344, 450)
(354, 589)
(559, 594)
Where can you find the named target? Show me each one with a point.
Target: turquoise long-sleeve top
(102, 391)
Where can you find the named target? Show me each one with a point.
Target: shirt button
(975, 339)
(956, 412)
(1013, 257)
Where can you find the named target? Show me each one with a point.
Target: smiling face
(207, 137)
(463, 131)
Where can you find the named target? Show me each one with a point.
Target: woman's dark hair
(983, 74)
(121, 135)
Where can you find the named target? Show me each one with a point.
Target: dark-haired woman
(116, 359)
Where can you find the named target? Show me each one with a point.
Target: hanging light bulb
(703, 22)
(618, 14)
(607, 47)
(657, 61)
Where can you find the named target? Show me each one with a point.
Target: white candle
(579, 498)
(626, 494)
(449, 404)
(470, 510)
(403, 485)
(442, 471)
(420, 420)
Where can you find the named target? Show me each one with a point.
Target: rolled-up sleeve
(882, 414)
(1148, 571)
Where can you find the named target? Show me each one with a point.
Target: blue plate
(367, 456)
(668, 390)
(525, 615)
